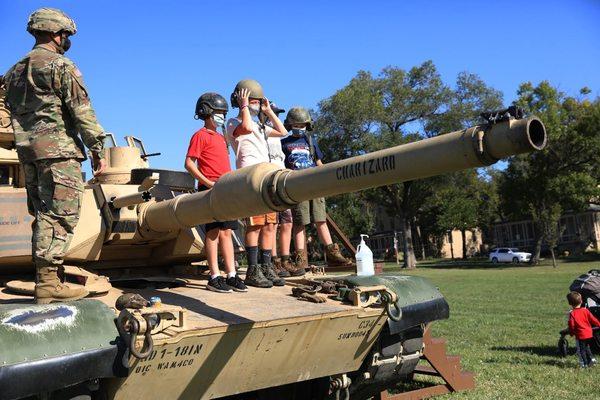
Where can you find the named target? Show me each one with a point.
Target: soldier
(50, 107)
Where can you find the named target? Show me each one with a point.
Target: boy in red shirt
(581, 322)
(207, 160)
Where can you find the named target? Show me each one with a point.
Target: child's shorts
(310, 211)
(285, 217)
(264, 219)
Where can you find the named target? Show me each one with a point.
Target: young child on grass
(207, 160)
(581, 322)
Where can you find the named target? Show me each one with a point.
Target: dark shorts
(310, 211)
(222, 225)
(285, 217)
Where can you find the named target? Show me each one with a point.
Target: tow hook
(338, 385)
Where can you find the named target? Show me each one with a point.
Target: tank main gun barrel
(264, 187)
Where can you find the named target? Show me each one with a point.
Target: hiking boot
(269, 273)
(279, 270)
(218, 285)
(334, 256)
(291, 268)
(237, 284)
(301, 260)
(49, 288)
(255, 277)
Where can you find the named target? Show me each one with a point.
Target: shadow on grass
(478, 263)
(543, 351)
(585, 257)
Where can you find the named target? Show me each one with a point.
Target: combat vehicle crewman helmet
(298, 115)
(256, 91)
(50, 20)
(209, 104)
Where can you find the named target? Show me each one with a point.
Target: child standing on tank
(248, 137)
(207, 160)
(302, 151)
(581, 322)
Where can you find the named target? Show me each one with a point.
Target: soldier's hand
(243, 97)
(99, 164)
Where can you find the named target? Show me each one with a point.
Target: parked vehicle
(510, 255)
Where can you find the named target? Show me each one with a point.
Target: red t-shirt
(581, 321)
(210, 151)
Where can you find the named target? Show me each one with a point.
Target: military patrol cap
(209, 103)
(256, 90)
(298, 115)
(50, 20)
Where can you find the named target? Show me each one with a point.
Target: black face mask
(65, 43)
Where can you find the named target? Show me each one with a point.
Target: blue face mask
(298, 132)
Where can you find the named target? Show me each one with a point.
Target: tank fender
(49, 347)
(418, 299)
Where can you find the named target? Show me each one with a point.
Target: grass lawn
(504, 323)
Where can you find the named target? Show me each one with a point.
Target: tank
(141, 228)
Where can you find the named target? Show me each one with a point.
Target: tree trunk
(419, 238)
(535, 259)
(553, 257)
(410, 261)
(451, 245)
(463, 234)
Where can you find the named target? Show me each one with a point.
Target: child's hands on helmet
(243, 97)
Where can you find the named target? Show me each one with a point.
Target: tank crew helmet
(277, 110)
(212, 105)
(50, 20)
(297, 116)
(256, 91)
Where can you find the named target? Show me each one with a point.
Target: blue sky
(146, 62)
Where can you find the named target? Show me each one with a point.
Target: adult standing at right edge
(52, 118)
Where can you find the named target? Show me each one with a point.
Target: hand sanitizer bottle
(364, 259)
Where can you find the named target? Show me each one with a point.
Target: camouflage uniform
(50, 108)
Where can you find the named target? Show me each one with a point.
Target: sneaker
(218, 285)
(269, 273)
(255, 277)
(237, 284)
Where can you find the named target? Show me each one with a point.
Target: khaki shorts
(264, 219)
(310, 211)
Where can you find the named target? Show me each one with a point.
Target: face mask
(219, 119)
(298, 131)
(254, 109)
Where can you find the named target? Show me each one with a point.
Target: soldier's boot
(335, 257)
(301, 260)
(255, 277)
(50, 289)
(279, 270)
(269, 273)
(291, 268)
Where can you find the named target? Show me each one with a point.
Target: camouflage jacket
(50, 108)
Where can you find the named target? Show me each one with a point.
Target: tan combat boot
(279, 270)
(49, 288)
(301, 260)
(334, 256)
(292, 269)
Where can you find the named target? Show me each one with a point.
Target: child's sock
(231, 274)
(252, 255)
(214, 276)
(265, 256)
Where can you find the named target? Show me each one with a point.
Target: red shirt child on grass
(581, 322)
(207, 160)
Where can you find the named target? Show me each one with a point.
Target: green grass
(505, 322)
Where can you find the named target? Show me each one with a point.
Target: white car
(506, 254)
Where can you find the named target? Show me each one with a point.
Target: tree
(372, 113)
(562, 177)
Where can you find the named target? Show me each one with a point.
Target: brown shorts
(264, 219)
(310, 211)
(285, 217)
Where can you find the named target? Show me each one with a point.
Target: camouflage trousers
(54, 188)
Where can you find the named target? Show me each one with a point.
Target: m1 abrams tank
(139, 224)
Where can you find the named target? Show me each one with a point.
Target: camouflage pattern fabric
(54, 188)
(50, 108)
